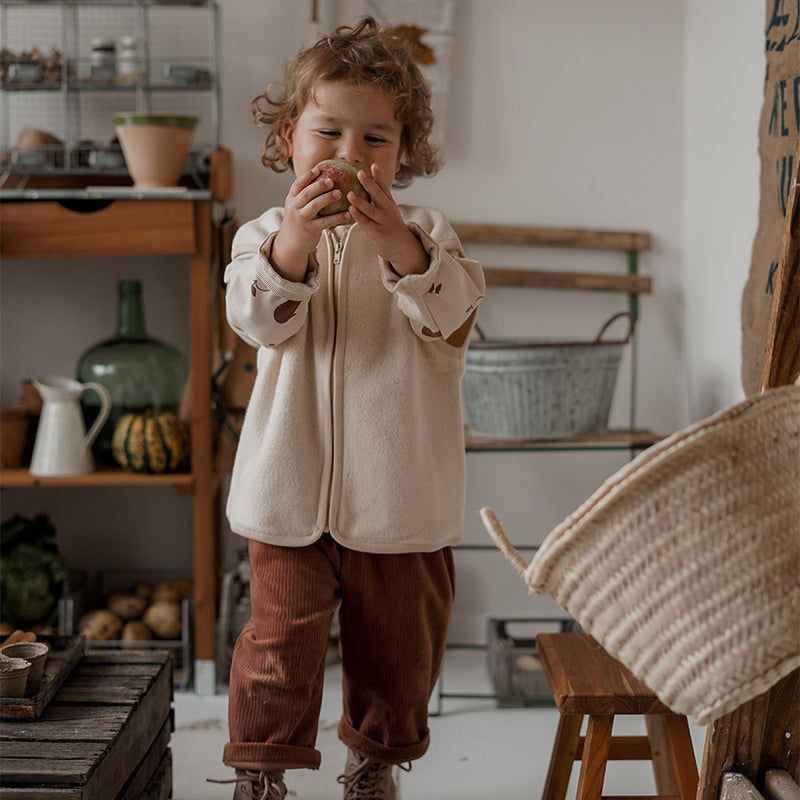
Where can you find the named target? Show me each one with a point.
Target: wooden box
(104, 736)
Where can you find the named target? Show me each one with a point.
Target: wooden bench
(104, 736)
(587, 681)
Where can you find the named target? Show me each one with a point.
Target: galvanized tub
(516, 389)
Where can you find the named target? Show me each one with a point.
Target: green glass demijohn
(140, 373)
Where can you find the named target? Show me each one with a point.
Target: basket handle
(611, 320)
(498, 536)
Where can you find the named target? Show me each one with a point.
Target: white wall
(622, 114)
(723, 89)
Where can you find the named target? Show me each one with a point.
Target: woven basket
(685, 564)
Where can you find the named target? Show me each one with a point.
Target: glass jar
(103, 59)
(140, 373)
(127, 60)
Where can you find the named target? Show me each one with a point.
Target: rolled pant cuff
(375, 751)
(266, 757)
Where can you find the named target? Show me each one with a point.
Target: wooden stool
(586, 680)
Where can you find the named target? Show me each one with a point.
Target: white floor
(478, 751)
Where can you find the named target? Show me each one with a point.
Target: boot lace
(367, 780)
(258, 785)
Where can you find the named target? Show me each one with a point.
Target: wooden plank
(663, 771)
(595, 757)
(549, 236)
(134, 740)
(122, 661)
(781, 741)
(81, 724)
(160, 785)
(133, 227)
(21, 478)
(40, 793)
(753, 738)
(14, 749)
(204, 510)
(85, 689)
(585, 679)
(623, 748)
(565, 749)
(617, 439)
(681, 752)
(580, 281)
(149, 766)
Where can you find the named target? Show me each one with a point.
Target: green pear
(345, 178)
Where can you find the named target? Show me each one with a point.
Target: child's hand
(301, 227)
(384, 225)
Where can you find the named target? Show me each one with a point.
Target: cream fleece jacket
(354, 425)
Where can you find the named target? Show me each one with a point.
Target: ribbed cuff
(375, 751)
(266, 757)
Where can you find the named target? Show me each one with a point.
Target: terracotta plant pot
(155, 146)
(35, 653)
(36, 140)
(13, 676)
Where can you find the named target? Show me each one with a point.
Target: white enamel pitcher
(62, 445)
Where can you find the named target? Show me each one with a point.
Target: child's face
(349, 122)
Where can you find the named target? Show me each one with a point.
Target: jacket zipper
(337, 247)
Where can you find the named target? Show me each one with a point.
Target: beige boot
(259, 785)
(368, 780)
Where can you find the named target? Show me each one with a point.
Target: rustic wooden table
(104, 736)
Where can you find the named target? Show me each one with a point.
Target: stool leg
(565, 748)
(661, 754)
(595, 756)
(683, 760)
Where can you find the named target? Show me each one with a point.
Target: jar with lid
(103, 59)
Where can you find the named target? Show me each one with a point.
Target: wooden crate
(104, 736)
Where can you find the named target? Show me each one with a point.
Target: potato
(183, 587)
(126, 606)
(136, 631)
(142, 589)
(166, 591)
(101, 624)
(164, 619)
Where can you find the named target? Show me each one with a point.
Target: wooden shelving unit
(174, 224)
(628, 283)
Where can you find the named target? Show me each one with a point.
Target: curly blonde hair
(364, 54)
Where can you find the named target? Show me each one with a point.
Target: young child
(349, 474)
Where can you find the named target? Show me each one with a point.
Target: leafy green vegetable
(33, 573)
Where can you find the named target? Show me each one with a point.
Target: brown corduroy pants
(394, 615)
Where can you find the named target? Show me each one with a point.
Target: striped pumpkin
(152, 442)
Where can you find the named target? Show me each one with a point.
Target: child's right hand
(301, 226)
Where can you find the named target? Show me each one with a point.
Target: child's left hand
(384, 225)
